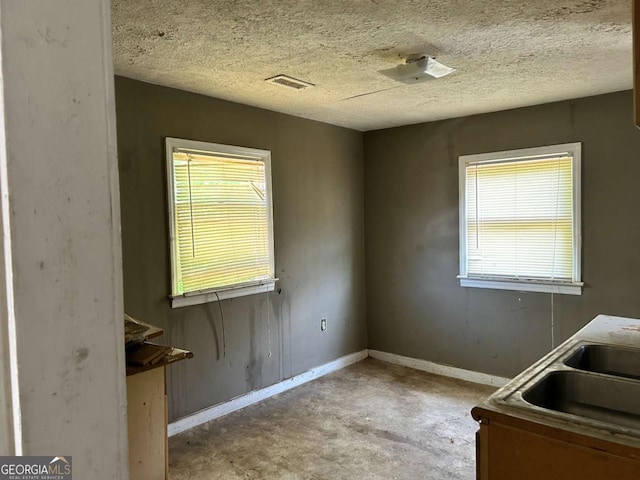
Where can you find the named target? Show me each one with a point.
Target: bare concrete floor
(371, 420)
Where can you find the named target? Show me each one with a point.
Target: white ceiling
(507, 53)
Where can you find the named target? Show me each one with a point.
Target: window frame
(231, 291)
(573, 287)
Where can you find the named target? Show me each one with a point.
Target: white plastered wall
(61, 225)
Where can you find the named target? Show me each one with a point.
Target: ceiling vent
(289, 82)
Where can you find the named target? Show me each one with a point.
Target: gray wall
(415, 306)
(317, 175)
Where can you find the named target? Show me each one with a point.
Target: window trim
(573, 287)
(231, 291)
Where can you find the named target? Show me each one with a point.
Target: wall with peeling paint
(317, 174)
(415, 306)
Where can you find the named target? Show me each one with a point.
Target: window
(221, 231)
(520, 220)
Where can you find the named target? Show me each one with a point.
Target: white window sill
(214, 296)
(523, 285)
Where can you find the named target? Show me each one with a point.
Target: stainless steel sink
(605, 399)
(589, 385)
(608, 359)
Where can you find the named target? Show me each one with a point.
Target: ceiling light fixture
(417, 68)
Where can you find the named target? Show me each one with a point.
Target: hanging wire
(477, 208)
(269, 320)
(193, 239)
(553, 340)
(555, 239)
(555, 225)
(224, 337)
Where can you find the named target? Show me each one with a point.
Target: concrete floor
(371, 420)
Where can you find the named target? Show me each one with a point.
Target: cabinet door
(147, 425)
(482, 452)
(515, 454)
(478, 455)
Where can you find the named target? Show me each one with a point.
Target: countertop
(507, 401)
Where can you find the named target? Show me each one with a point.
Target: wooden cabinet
(147, 402)
(147, 421)
(510, 448)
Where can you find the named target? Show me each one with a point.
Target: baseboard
(222, 409)
(256, 396)
(438, 369)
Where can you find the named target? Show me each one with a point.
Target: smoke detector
(417, 68)
(289, 82)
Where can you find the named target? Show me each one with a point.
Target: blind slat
(221, 221)
(519, 218)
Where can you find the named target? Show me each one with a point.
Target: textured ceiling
(507, 53)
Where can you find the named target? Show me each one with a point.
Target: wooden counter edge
(487, 416)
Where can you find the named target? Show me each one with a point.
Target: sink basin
(622, 362)
(604, 399)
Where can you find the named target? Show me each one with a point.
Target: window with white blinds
(520, 219)
(221, 221)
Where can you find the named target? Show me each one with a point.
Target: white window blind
(520, 217)
(221, 216)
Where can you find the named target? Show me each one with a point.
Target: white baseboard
(438, 369)
(256, 396)
(222, 409)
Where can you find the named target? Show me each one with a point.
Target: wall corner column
(62, 375)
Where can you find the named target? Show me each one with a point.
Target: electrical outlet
(323, 325)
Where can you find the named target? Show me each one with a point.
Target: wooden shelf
(137, 331)
(175, 355)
